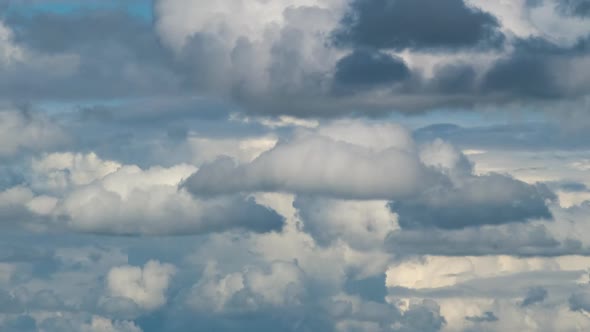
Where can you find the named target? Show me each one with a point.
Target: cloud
(87, 194)
(145, 286)
(480, 200)
(22, 130)
(311, 58)
(534, 295)
(87, 55)
(522, 240)
(362, 69)
(364, 225)
(487, 317)
(423, 24)
(313, 164)
(433, 187)
(579, 301)
(279, 285)
(432, 272)
(93, 324)
(574, 7)
(469, 199)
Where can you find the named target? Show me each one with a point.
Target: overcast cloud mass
(294, 165)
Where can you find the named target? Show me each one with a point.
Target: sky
(294, 165)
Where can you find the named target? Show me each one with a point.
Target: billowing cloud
(281, 284)
(312, 163)
(145, 286)
(85, 193)
(423, 24)
(481, 200)
(294, 165)
(361, 224)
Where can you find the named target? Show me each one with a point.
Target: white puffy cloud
(57, 172)
(362, 224)
(145, 286)
(272, 48)
(280, 284)
(430, 186)
(88, 194)
(179, 19)
(378, 162)
(478, 292)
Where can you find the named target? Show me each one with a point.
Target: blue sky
(140, 8)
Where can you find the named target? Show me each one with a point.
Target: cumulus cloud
(281, 284)
(575, 7)
(433, 187)
(310, 58)
(312, 163)
(362, 224)
(88, 194)
(487, 199)
(145, 286)
(213, 183)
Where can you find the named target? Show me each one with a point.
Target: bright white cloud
(88, 194)
(378, 162)
(145, 286)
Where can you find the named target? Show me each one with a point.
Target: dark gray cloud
(511, 239)
(421, 24)
(454, 78)
(532, 136)
(92, 55)
(480, 200)
(537, 69)
(365, 68)
(487, 317)
(526, 74)
(534, 295)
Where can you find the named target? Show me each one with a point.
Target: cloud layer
(309, 165)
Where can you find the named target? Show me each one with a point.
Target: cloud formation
(294, 165)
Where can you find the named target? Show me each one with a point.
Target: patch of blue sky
(139, 8)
